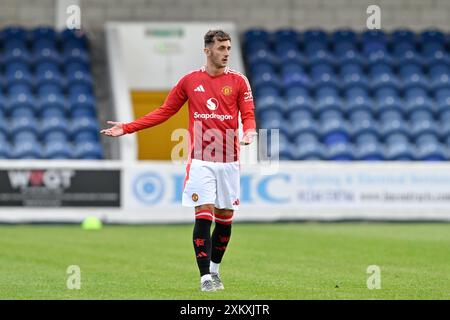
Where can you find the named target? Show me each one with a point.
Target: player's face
(219, 53)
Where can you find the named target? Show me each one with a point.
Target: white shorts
(215, 183)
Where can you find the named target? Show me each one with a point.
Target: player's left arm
(247, 109)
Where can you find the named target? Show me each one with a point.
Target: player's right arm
(174, 101)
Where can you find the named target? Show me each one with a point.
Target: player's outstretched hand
(248, 138)
(115, 131)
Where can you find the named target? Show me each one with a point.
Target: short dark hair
(212, 35)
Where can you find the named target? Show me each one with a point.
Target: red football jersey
(214, 106)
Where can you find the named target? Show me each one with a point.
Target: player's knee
(204, 211)
(223, 216)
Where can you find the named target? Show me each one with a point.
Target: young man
(216, 95)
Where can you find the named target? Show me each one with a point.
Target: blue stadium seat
(267, 80)
(385, 80)
(84, 124)
(419, 106)
(317, 56)
(387, 114)
(256, 71)
(276, 123)
(46, 55)
(86, 136)
(329, 108)
(427, 138)
(335, 131)
(351, 68)
(18, 89)
(48, 77)
(350, 56)
(359, 114)
(315, 35)
(43, 33)
(286, 35)
(74, 35)
(76, 55)
(254, 58)
(309, 151)
(394, 126)
(365, 131)
(5, 150)
(88, 150)
(287, 51)
(54, 124)
(432, 36)
(17, 54)
(19, 77)
(441, 82)
(302, 127)
(400, 152)
(444, 113)
(423, 127)
(12, 67)
(341, 151)
(83, 105)
(270, 103)
(403, 35)
(4, 128)
(380, 68)
(295, 79)
(403, 49)
(25, 136)
(397, 137)
(18, 125)
(306, 137)
(14, 32)
(50, 102)
(370, 152)
(3, 104)
(432, 152)
(22, 105)
(58, 150)
(438, 70)
(344, 35)
(342, 48)
(354, 80)
(256, 34)
(46, 66)
(44, 89)
(27, 150)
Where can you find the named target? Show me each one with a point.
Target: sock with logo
(202, 240)
(220, 238)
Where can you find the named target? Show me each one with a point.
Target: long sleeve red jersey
(214, 106)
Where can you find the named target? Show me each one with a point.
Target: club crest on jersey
(212, 104)
(194, 197)
(227, 90)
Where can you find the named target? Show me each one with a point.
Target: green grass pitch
(263, 261)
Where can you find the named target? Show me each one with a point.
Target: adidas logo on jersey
(199, 89)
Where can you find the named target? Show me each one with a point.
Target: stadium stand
(347, 95)
(47, 107)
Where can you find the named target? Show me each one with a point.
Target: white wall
(329, 14)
